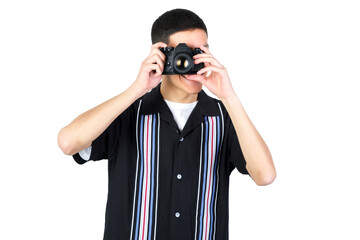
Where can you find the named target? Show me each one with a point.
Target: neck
(174, 94)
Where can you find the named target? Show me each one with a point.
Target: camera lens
(183, 63)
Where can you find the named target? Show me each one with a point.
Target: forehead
(192, 38)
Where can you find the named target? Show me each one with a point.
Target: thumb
(197, 78)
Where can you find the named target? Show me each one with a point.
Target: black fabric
(175, 202)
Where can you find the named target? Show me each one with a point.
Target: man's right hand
(80, 133)
(151, 69)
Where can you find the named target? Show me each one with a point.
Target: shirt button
(181, 139)
(179, 176)
(177, 214)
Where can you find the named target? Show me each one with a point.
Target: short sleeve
(236, 156)
(104, 146)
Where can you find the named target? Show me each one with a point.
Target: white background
(294, 64)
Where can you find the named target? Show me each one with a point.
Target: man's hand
(151, 69)
(258, 158)
(214, 76)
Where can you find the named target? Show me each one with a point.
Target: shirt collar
(153, 102)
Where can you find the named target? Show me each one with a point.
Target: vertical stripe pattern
(212, 132)
(144, 216)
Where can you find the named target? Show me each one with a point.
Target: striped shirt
(166, 184)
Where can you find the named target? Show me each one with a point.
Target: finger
(156, 68)
(158, 45)
(158, 73)
(205, 49)
(160, 61)
(148, 65)
(200, 55)
(159, 69)
(205, 55)
(158, 52)
(155, 59)
(210, 68)
(197, 78)
(210, 60)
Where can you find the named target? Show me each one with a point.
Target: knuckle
(159, 53)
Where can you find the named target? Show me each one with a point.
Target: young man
(170, 151)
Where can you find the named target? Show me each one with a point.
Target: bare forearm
(80, 133)
(256, 153)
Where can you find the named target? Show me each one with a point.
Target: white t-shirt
(180, 112)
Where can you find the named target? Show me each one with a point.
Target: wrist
(232, 104)
(136, 90)
(229, 97)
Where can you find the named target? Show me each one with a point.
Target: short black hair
(173, 21)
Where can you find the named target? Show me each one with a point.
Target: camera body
(180, 60)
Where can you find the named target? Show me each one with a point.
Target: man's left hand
(214, 76)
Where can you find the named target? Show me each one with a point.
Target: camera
(180, 60)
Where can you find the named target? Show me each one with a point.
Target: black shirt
(165, 184)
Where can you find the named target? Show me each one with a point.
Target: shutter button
(177, 214)
(179, 176)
